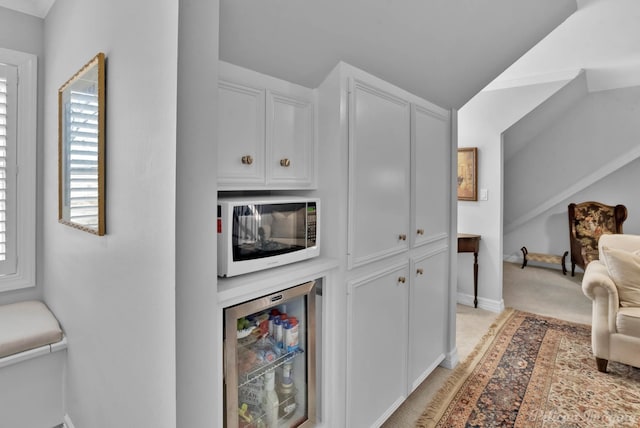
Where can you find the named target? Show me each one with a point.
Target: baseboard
(486, 304)
(512, 258)
(451, 359)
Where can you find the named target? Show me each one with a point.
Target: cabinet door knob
(402, 237)
(420, 271)
(402, 279)
(420, 231)
(247, 160)
(285, 162)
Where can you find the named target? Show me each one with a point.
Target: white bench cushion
(27, 325)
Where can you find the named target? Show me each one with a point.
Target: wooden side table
(468, 243)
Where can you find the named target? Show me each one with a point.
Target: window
(18, 117)
(8, 90)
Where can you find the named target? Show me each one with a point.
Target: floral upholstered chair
(587, 222)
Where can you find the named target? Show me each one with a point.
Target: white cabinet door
(379, 178)
(241, 129)
(290, 141)
(430, 167)
(377, 346)
(428, 309)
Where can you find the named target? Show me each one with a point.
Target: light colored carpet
(534, 289)
(547, 292)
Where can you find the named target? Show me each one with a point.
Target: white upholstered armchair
(613, 284)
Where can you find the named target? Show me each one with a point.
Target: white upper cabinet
(290, 141)
(431, 147)
(241, 128)
(266, 132)
(379, 180)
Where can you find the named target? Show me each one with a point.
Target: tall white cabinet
(428, 312)
(379, 180)
(377, 344)
(395, 211)
(430, 166)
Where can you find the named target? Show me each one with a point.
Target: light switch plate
(484, 194)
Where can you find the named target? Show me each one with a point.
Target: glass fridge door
(269, 349)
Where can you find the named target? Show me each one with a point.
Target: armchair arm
(598, 286)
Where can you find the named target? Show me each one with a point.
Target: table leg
(475, 280)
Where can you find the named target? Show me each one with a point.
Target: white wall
(24, 33)
(199, 355)
(21, 32)
(115, 295)
(480, 124)
(599, 129)
(549, 232)
(602, 127)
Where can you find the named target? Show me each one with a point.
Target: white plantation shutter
(18, 145)
(3, 164)
(8, 104)
(82, 160)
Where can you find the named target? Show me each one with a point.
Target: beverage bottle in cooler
(272, 316)
(291, 335)
(270, 402)
(280, 331)
(287, 392)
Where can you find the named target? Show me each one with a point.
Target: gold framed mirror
(81, 148)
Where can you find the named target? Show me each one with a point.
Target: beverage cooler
(269, 360)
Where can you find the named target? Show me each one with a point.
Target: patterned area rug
(535, 371)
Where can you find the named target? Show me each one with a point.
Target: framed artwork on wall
(468, 174)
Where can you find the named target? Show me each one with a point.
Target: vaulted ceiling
(443, 50)
(38, 8)
(602, 38)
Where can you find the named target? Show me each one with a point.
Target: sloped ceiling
(38, 8)
(443, 50)
(543, 115)
(602, 37)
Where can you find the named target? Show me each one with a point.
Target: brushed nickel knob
(420, 231)
(402, 279)
(402, 237)
(420, 271)
(285, 162)
(247, 160)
